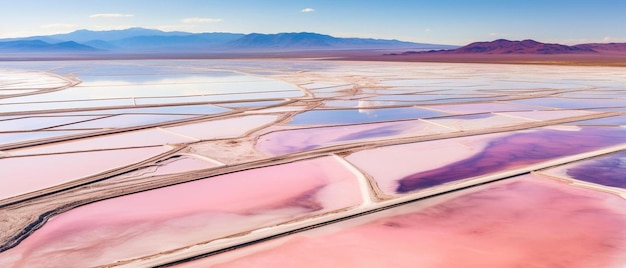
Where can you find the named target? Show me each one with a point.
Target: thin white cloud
(200, 20)
(307, 10)
(493, 34)
(428, 30)
(110, 15)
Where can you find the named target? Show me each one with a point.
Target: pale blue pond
(572, 103)
(8, 138)
(202, 109)
(21, 107)
(613, 120)
(357, 116)
(109, 87)
(124, 120)
(218, 98)
(36, 123)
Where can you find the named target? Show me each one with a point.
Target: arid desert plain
(240, 163)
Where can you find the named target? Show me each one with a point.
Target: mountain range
(41, 46)
(149, 40)
(150, 43)
(503, 46)
(526, 47)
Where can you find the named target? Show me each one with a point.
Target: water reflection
(609, 170)
(516, 150)
(214, 207)
(355, 116)
(522, 222)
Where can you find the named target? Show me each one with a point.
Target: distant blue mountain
(41, 46)
(101, 44)
(306, 41)
(140, 40)
(184, 42)
(283, 40)
(82, 36)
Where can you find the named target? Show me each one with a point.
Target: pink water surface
(478, 121)
(481, 107)
(21, 175)
(549, 115)
(422, 165)
(523, 222)
(298, 140)
(517, 150)
(35, 123)
(125, 120)
(608, 170)
(149, 137)
(168, 218)
(415, 157)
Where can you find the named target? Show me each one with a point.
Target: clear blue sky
(428, 21)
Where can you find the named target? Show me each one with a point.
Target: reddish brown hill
(502, 46)
(519, 52)
(604, 47)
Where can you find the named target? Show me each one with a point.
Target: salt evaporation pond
(525, 221)
(355, 116)
(141, 138)
(427, 164)
(107, 87)
(609, 170)
(188, 213)
(22, 175)
(300, 140)
(311, 163)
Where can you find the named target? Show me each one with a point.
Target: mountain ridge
(42, 46)
(150, 40)
(525, 47)
(528, 46)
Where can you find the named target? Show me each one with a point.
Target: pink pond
(42, 122)
(177, 216)
(298, 140)
(608, 170)
(613, 120)
(422, 165)
(523, 222)
(125, 120)
(548, 115)
(478, 121)
(471, 108)
(150, 137)
(569, 103)
(21, 175)
(415, 157)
